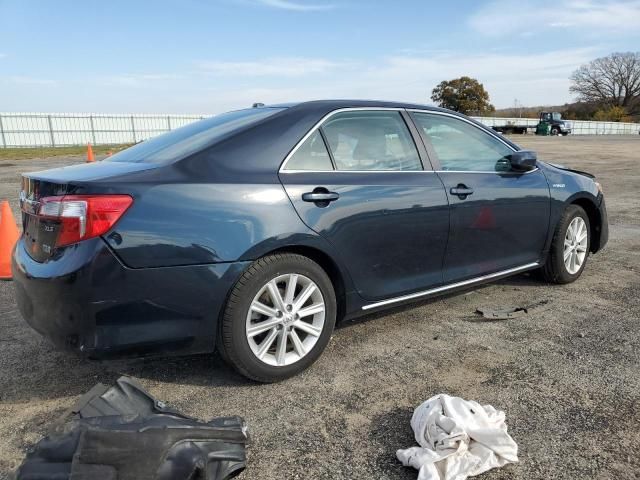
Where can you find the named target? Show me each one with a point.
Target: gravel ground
(567, 374)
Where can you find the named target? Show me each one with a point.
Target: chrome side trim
(411, 171)
(488, 171)
(357, 171)
(393, 109)
(450, 286)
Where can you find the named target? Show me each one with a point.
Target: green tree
(465, 95)
(612, 114)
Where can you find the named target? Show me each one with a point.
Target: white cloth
(458, 439)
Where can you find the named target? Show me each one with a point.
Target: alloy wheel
(575, 245)
(285, 319)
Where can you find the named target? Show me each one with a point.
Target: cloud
(535, 79)
(505, 17)
(217, 86)
(270, 67)
(297, 6)
(136, 79)
(24, 80)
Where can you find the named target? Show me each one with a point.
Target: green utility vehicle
(550, 123)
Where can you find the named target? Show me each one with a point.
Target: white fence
(578, 127)
(63, 129)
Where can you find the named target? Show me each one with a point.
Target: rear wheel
(569, 247)
(279, 318)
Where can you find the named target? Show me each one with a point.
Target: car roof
(256, 152)
(352, 103)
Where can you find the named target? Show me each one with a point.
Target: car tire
(558, 268)
(253, 305)
(555, 131)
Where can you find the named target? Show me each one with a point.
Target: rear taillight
(83, 216)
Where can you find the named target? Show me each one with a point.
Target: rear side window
(371, 140)
(311, 155)
(461, 146)
(191, 138)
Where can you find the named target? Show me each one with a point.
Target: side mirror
(523, 160)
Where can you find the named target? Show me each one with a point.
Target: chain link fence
(67, 129)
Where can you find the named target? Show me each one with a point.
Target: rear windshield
(191, 138)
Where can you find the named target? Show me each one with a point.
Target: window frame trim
(329, 152)
(318, 127)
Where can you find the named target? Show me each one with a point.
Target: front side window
(461, 146)
(371, 140)
(311, 155)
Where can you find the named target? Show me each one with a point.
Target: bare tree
(613, 80)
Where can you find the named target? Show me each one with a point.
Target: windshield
(186, 140)
(556, 116)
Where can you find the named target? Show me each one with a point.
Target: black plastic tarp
(124, 433)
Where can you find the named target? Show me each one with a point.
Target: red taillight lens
(83, 216)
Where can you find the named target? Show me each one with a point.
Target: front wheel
(555, 131)
(569, 248)
(279, 317)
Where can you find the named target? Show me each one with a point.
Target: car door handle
(320, 196)
(461, 191)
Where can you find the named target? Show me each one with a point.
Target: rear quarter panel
(189, 224)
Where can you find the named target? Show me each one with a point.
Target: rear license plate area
(40, 235)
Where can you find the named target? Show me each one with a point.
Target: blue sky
(199, 56)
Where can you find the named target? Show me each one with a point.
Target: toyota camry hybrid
(254, 231)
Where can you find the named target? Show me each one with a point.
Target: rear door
(358, 180)
(499, 217)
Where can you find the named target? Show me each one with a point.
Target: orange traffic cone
(90, 157)
(8, 238)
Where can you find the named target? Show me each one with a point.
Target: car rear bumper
(85, 300)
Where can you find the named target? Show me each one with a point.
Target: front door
(369, 195)
(499, 217)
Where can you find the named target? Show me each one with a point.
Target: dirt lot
(567, 375)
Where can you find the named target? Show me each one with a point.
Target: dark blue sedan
(254, 231)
